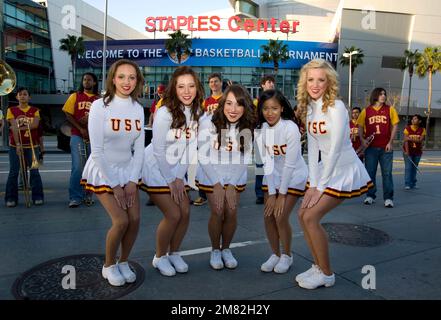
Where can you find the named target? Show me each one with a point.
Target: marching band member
(18, 118)
(76, 109)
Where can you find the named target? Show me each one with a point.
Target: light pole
(349, 55)
(103, 89)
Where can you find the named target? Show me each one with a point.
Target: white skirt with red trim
(93, 180)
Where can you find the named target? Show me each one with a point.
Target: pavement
(406, 267)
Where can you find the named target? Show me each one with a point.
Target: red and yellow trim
(100, 189)
(96, 189)
(209, 189)
(292, 191)
(348, 194)
(159, 190)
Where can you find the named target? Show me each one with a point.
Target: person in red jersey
(20, 141)
(414, 136)
(355, 138)
(381, 121)
(77, 109)
(215, 83)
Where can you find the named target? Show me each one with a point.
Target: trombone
(22, 159)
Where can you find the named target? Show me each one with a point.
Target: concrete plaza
(407, 267)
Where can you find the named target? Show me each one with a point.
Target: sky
(134, 14)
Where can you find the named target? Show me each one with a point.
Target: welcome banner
(205, 52)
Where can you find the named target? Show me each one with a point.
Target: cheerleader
(285, 175)
(340, 175)
(166, 162)
(224, 150)
(113, 170)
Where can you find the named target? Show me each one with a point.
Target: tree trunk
(429, 105)
(408, 97)
(73, 73)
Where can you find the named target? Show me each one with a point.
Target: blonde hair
(331, 93)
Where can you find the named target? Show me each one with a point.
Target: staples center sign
(213, 23)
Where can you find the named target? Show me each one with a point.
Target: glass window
(21, 14)
(243, 6)
(10, 10)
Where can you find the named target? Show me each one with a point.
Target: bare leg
(132, 230)
(168, 225)
(230, 223)
(306, 235)
(120, 223)
(215, 223)
(319, 237)
(271, 230)
(284, 226)
(182, 227)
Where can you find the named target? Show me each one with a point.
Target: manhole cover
(355, 235)
(44, 282)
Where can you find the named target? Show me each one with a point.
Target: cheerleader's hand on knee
(269, 205)
(311, 198)
(130, 192)
(120, 197)
(279, 205)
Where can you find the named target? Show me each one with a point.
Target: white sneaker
(216, 259)
(307, 273)
(317, 279)
(229, 261)
(388, 203)
(406, 188)
(369, 200)
(112, 274)
(284, 264)
(126, 272)
(268, 265)
(177, 262)
(164, 266)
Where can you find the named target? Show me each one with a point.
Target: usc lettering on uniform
(228, 147)
(84, 105)
(116, 124)
(377, 119)
(317, 127)
(178, 133)
(277, 150)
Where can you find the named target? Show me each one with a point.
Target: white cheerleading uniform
(340, 173)
(224, 164)
(285, 169)
(169, 154)
(117, 143)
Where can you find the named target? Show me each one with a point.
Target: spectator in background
(157, 103)
(414, 136)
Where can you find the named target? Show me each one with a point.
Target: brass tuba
(8, 79)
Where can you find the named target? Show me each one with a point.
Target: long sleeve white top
(116, 135)
(328, 133)
(223, 164)
(280, 148)
(173, 149)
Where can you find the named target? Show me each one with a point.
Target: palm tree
(73, 46)
(178, 44)
(354, 60)
(428, 64)
(408, 62)
(275, 51)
